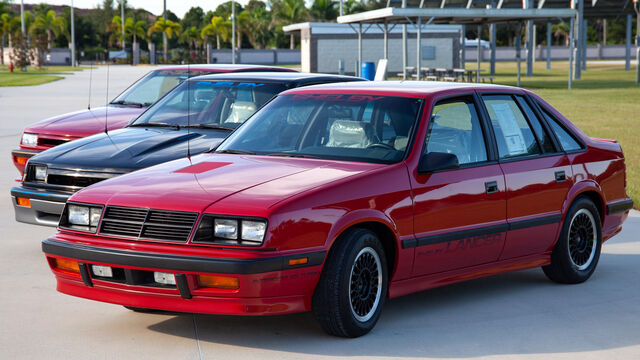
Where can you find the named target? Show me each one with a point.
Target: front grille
(50, 142)
(77, 181)
(148, 223)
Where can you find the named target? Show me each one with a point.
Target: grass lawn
(34, 76)
(604, 103)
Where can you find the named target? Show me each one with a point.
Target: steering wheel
(381, 145)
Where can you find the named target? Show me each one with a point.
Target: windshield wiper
(292, 155)
(127, 103)
(156, 124)
(232, 151)
(208, 126)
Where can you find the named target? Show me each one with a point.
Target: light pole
(165, 41)
(73, 39)
(233, 32)
(24, 28)
(122, 19)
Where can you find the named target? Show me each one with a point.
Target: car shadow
(513, 313)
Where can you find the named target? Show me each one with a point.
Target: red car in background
(333, 198)
(132, 102)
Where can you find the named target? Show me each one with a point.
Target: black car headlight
(225, 230)
(81, 217)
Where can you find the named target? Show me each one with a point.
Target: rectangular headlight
(225, 228)
(253, 230)
(78, 215)
(29, 139)
(41, 173)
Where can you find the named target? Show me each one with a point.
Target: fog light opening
(102, 271)
(25, 202)
(164, 278)
(220, 282)
(300, 261)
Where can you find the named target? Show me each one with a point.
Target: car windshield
(154, 85)
(209, 103)
(350, 127)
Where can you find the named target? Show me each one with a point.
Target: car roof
(276, 76)
(227, 67)
(403, 87)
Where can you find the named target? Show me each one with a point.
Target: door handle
(491, 187)
(560, 176)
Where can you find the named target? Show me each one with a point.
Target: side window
(566, 139)
(455, 129)
(513, 133)
(541, 134)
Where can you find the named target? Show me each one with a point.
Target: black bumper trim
(178, 262)
(619, 206)
(38, 194)
(24, 153)
(485, 230)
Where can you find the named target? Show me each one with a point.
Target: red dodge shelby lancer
(333, 198)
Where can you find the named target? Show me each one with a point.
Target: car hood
(86, 122)
(129, 149)
(197, 183)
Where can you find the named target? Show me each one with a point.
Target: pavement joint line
(195, 331)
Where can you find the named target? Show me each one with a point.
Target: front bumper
(45, 205)
(20, 158)
(267, 285)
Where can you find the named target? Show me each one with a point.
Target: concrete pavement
(519, 315)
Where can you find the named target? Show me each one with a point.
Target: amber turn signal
(23, 201)
(67, 265)
(21, 160)
(220, 282)
(300, 261)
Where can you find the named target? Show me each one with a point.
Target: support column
(518, 55)
(529, 43)
(583, 57)
(464, 43)
(578, 55)
(571, 43)
(359, 65)
(637, 45)
(548, 46)
(492, 31)
(404, 46)
(627, 53)
(418, 48)
(479, 54)
(386, 40)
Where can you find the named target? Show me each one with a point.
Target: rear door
(537, 174)
(459, 214)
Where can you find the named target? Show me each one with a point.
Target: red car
(333, 198)
(132, 102)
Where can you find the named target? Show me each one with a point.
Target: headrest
(348, 133)
(240, 111)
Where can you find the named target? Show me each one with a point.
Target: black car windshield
(352, 127)
(209, 103)
(154, 85)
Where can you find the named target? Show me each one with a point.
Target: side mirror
(435, 161)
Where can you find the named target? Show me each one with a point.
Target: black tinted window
(542, 135)
(566, 139)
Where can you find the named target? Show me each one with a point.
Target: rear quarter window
(567, 140)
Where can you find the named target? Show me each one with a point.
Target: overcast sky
(179, 7)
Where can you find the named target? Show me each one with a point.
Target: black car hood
(129, 149)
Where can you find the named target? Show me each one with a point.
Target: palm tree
(324, 10)
(167, 27)
(290, 12)
(132, 28)
(5, 22)
(50, 24)
(219, 27)
(191, 37)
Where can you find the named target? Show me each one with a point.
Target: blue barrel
(368, 70)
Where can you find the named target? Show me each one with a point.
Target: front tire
(353, 285)
(577, 251)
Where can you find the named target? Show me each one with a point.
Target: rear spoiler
(614, 141)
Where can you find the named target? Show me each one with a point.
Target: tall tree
(218, 28)
(290, 12)
(324, 10)
(50, 24)
(255, 24)
(193, 17)
(168, 27)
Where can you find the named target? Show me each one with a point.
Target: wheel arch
(589, 189)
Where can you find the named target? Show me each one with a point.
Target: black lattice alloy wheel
(577, 251)
(353, 286)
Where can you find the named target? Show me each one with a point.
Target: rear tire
(353, 285)
(577, 251)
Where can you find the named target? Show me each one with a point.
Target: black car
(193, 118)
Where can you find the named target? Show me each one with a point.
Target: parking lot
(520, 315)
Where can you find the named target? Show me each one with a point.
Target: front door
(459, 214)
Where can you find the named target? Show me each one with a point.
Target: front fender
(358, 217)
